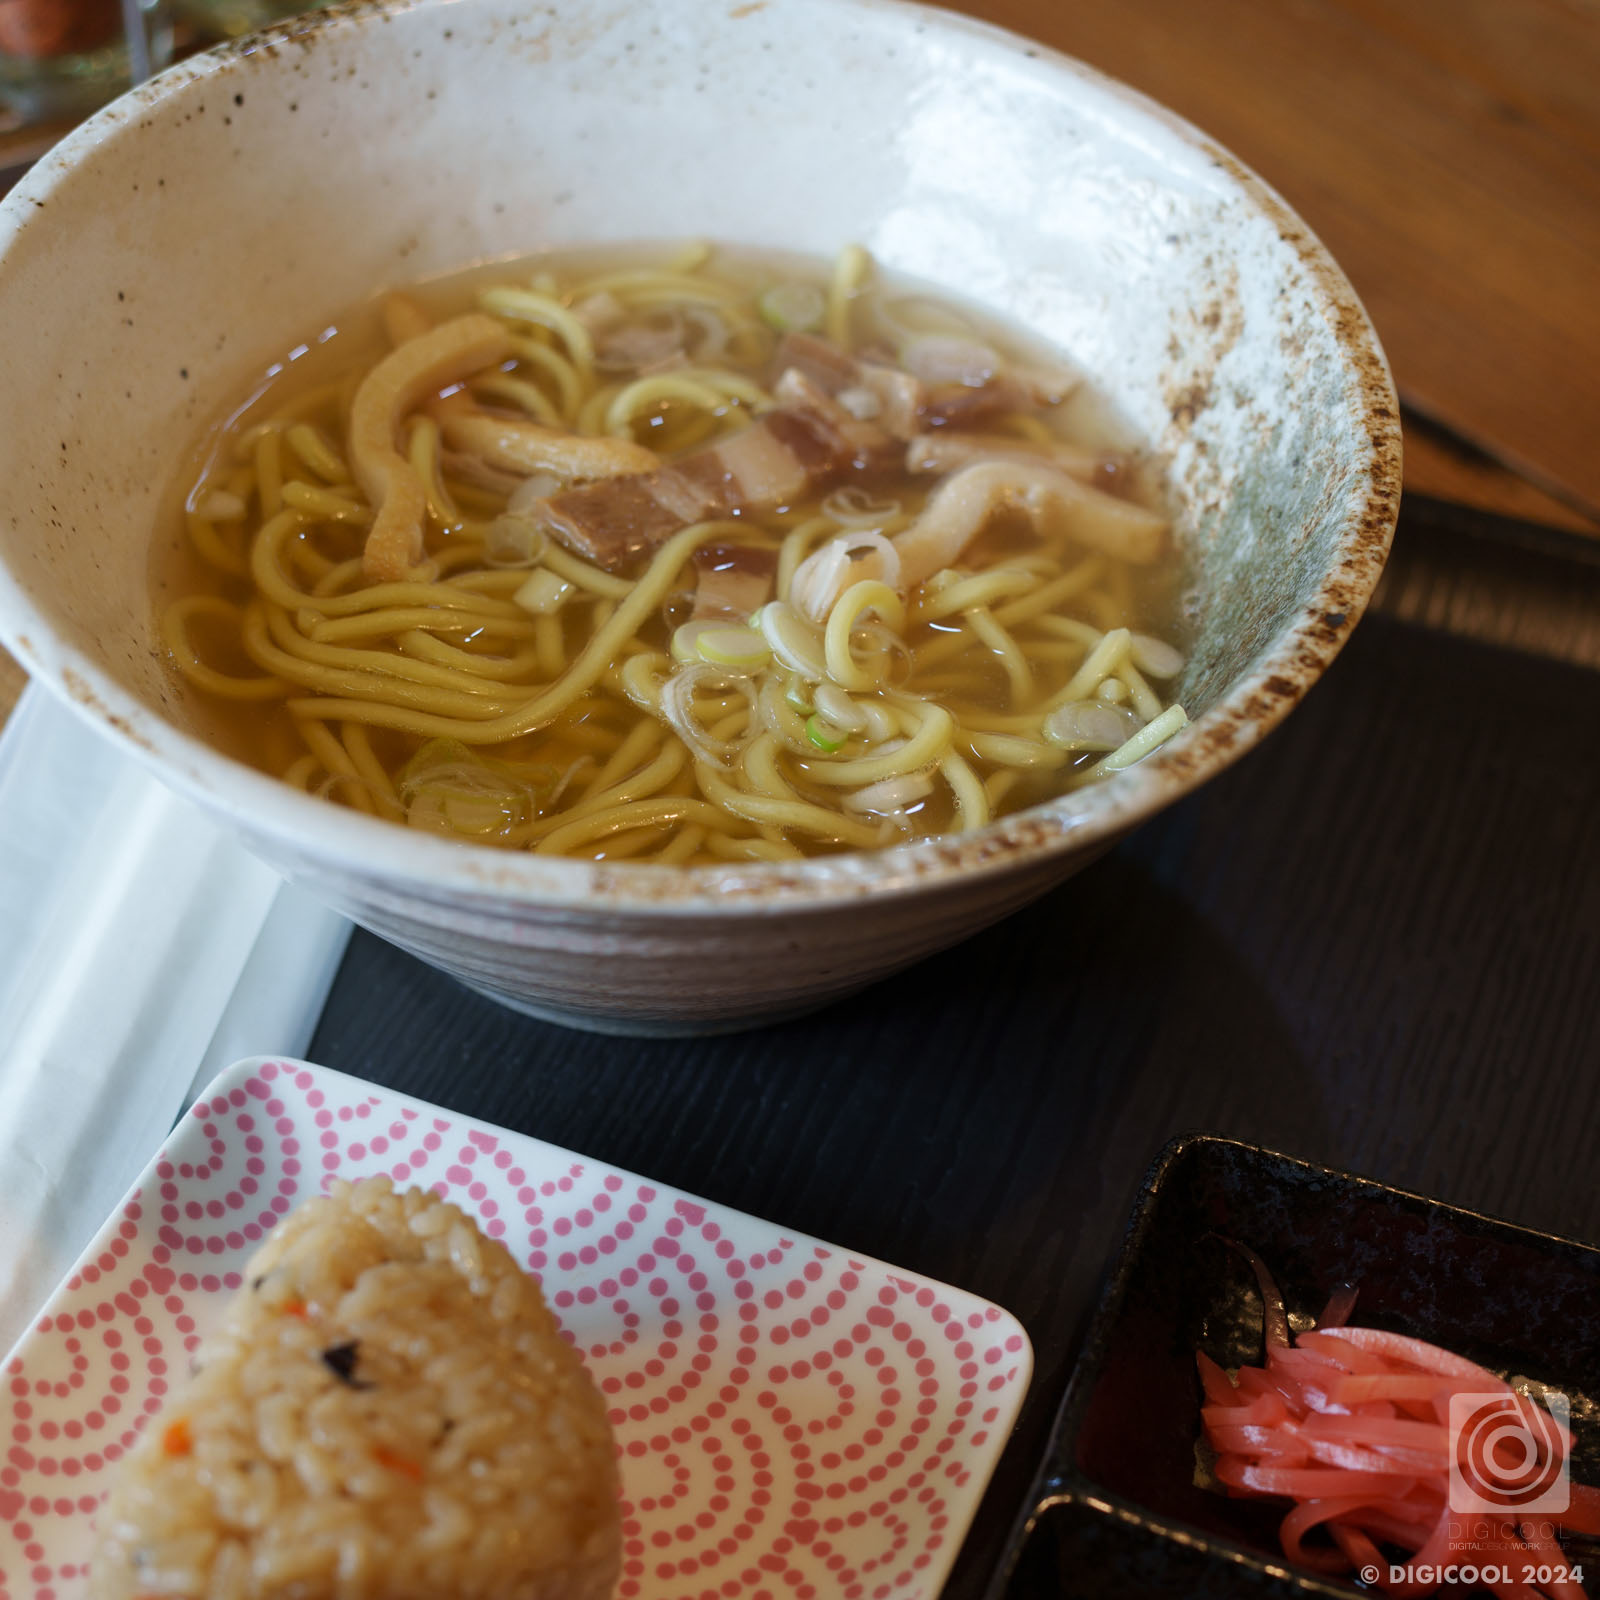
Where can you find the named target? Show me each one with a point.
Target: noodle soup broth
(677, 554)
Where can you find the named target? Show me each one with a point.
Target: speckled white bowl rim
(433, 869)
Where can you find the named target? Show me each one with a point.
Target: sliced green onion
(798, 696)
(544, 593)
(468, 813)
(881, 725)
(1154, 657)
(725, 646)
(1090, 725)
(512, 541)
(824, 736)
(839, 708)
(794, 641)
(853, 505)
(889, 795)
(677, 707)
(685, 639)
(793, 307)
(450, 789)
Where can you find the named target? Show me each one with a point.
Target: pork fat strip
(950, 451)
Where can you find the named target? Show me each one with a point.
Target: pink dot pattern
(793, 1422)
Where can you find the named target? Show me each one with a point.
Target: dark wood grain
(1372, 944)
(1499, 580)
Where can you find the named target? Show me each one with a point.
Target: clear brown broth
(265, 735)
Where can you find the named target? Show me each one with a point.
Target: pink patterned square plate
(793, 1421)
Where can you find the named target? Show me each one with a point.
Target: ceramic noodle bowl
(197, 227)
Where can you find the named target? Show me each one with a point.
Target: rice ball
(387, 1411)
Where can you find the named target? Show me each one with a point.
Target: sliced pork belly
(955, 405)
(871, 445)
(894, 398)
(732, 580)
(897, 400)
(836, 416)
(826, 365)
(859, 391)
(776, 460)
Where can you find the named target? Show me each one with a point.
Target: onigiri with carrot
(388, 1410)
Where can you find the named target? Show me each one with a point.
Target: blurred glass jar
(60, 59)
(229, 19)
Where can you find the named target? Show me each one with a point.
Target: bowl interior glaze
(199, 227)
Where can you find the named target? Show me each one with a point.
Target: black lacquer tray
(1117, 1511)
(1375, 944)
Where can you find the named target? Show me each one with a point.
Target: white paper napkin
(141, 950)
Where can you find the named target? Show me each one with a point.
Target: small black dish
(1114, 1510)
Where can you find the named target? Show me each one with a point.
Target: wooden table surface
(1448, 152)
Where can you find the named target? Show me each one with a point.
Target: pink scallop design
(793, 1421)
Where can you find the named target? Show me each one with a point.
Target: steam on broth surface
(685, 556)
